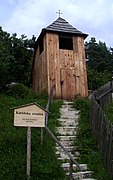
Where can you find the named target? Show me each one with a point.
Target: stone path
(67, 135)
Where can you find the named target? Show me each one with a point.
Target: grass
(44, 163)
(89, 152)
(109, 111)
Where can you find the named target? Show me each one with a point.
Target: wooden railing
(102, 128)
(72, 161)
(103, 95)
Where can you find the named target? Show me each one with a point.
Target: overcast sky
(94, 17)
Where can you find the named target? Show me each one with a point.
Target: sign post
(28, 152)
(30, 115)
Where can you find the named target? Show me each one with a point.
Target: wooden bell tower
(59, 60)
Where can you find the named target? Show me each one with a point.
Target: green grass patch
(86, 143)
(44, 163)
(109, 111)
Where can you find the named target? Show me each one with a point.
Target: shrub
(18, 90)
(82, 104)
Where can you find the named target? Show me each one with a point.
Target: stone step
(67, 102)
(88, 179)
(68, 122)
(64, 155)
(66, 116)
(69, 110)
(66, 138)
(66, 143)
(66, 111)
(66, 159)
(72, 109)
(69, 119)
(81, 175)
(69, 148)
(66, 130)
(66, 166)
(67, 107)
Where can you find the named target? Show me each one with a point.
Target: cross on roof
(59, 12)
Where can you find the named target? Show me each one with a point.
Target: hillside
(44, 163)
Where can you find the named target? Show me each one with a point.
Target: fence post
(70, 171)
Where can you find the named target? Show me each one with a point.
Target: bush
(18, 90)
(82, 104)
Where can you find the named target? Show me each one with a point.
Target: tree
(99, 63)
(15, 58)
(5, 57)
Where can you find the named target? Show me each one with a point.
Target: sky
(29, 17)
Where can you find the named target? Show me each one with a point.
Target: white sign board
(30, 115)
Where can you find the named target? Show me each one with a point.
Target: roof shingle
(61, 25)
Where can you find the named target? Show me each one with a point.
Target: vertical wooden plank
(77, 65)
(73, 90)
(28, 152)
(57, 64)
(75, 44)
(80, 65)
(111, 151)
(84, 68)
(65, 83)
(47, 60)
(75, 50)
(51, 61)
(48, 35)
(63, 79)
(42, 136)
(62, 58)
(44, 65)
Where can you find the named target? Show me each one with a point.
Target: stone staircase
(66, 135)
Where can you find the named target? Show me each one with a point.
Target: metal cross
(59, 12)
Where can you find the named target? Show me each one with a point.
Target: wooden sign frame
(29, 115)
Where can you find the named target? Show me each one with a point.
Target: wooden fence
(102, 128)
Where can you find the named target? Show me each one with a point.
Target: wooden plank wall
(53, 63)
(66, 69)
(40, 71)
(80, 66)
(67, 73)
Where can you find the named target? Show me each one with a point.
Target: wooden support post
(28, 152)
(41, 138)
(71, 169)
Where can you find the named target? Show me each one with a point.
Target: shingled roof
(61, 25)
